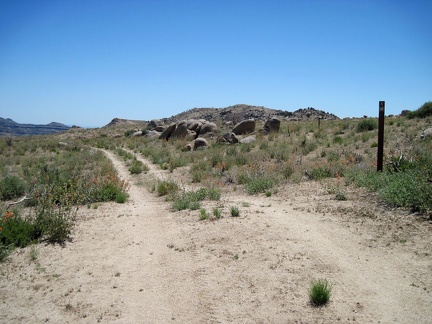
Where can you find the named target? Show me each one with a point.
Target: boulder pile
(199, 131)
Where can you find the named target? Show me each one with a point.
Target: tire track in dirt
(179, 290)
(200, 271)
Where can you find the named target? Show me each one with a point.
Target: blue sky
(86, 62)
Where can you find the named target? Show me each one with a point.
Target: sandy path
(140, 262)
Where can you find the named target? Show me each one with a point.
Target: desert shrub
(241, 159)
(129, 132)
(15, 231)
(199, 170)
(216, 158)
(5, 250)
(369, 179)
(137, 167)
(279, 154)
(424, 111)
(408, 189)
(245, 148)
(55, 207)
(124, 154)
(177, 162)
(217, 213)
(106, 192)
(235, 212)
(12, 187)
(320, 292)
(199, 194)
(55, 224)
(308, 146)
(167, 187)
(203, 214)
(191, 199)
(121, 197)
(366, 125)
(264, 145)
(321, 172)
(333, 156)
(213, 193)
(287, 170)
(186, 200)
(259, 184)
(257, 180)
(338, 140)
(9, 141)
(341, 195)
(232, 150)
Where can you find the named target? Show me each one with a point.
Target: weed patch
(320, 292)
(235, 212)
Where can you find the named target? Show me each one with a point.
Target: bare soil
(142, 262)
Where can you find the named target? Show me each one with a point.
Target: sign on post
(380, 136)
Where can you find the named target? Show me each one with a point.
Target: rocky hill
(233, 115)
(8, 127)
(241, 112)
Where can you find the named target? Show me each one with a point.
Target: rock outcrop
(181, 131)
(200, 143)
(272, 125)
(244, 127)
(166, 134)
(208, 130)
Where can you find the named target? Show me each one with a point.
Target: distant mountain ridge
(8, 127)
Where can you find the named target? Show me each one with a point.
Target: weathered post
(380, 136)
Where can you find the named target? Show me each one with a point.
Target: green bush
(235, 212)
(259, 184)
(408, 189)
(16, 231)
(338, 140)
(55, 224)
(203, 214)
(217, 213)
(366, 125)
(321, 172)
(320, 292)
(287, 171)
(199, 170)
(129, 132)
(213, 193)
(106, 192)
(125, 154)
(191, 199)
(167, 187)
(5, 250)
(424, 111)
(136, 167)
(186, 200)
(12, 187)
(121, 197)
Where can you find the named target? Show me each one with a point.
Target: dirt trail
(140, 262)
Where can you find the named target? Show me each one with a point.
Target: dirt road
(141, 262)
